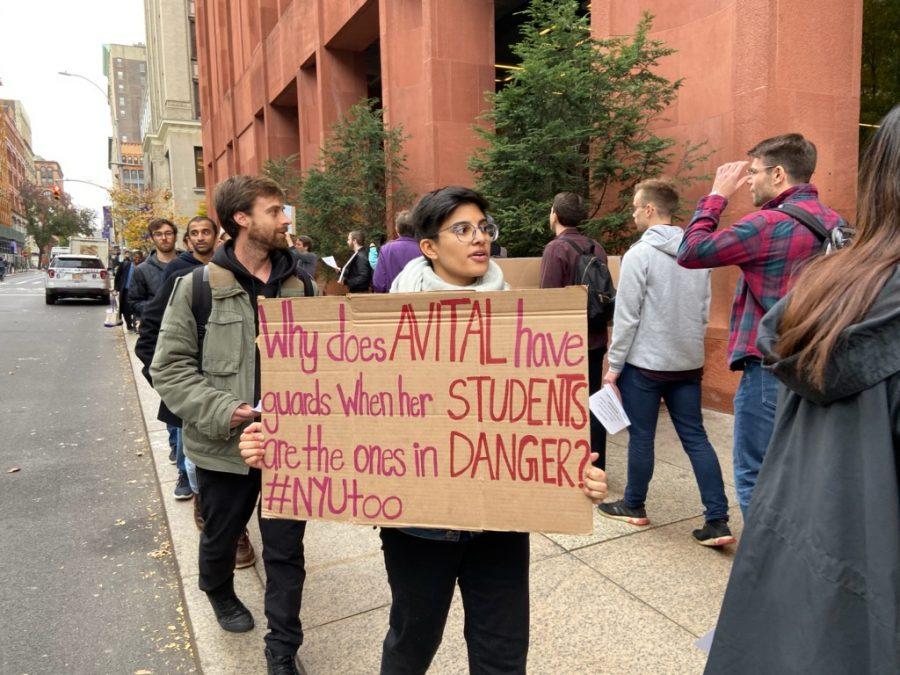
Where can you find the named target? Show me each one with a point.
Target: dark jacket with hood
(206, 394)
(151, 320)
(815, 586)
(145, 283)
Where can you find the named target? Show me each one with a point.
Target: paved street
(88, 583)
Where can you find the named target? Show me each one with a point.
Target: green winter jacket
(205, 401)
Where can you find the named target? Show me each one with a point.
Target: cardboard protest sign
(451, 410)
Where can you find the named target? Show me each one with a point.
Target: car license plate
(76, 277)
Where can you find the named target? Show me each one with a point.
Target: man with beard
(207, 370)
(771, 247)
(202, 235)
(148, 276)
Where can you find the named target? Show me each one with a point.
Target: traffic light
(57, 193)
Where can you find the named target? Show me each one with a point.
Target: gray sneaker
(618, 511)
(183, 486)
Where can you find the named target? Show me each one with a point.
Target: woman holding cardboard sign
(425, 565)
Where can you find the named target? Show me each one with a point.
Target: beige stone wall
(173, 131)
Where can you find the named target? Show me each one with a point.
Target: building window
(196, 87)
(192, 37)
(120, 74)
(142, 67)
(199, 176)
(121, 100)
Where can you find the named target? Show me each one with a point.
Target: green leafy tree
(357, 184)
(880, 86)
(576, 117)
(47, 218)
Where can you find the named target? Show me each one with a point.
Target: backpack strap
(809, 220)
(300, 279)
(201, 305)
(571, 243)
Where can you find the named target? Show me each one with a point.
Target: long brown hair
(837, 290)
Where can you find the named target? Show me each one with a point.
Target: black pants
(227, 504)
(492, 571)
(125, 309)
(595, 379)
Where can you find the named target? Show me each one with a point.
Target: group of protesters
(814, 332)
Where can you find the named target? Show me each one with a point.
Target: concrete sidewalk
(622, 600)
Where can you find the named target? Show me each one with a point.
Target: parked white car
(76, 276)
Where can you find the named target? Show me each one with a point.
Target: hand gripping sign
(449, 410)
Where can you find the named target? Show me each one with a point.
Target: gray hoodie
(661, 308)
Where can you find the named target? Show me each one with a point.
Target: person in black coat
(356, 274)
(120, 287)
(815, 586)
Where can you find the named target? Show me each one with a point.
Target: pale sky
(70, 120)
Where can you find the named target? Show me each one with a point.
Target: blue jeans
(640, 398)
(184, 463)
(173, 436)
(754, 419)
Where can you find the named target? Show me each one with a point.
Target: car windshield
(79, 263)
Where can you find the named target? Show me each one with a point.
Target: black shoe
(618, 511)
(183, 486)
(714, 533)
(172, 457)
(231, 614)
(280, 664)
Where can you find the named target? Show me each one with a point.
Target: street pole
(105, 96)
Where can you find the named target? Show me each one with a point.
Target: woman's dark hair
(307, 242)
(359, 237)
(436, 206)
(837, 290)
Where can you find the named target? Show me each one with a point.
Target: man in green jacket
(213, 390)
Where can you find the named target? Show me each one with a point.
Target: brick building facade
(275, 74)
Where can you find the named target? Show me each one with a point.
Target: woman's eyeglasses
(465, 232)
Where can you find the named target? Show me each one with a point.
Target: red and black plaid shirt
(769, 246)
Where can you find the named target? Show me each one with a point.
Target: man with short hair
(657, 352)
(148, 276)
(558, 265)
(770, 247)
(213, 391)
(395, 254)
(120, 286)
(307, 261)
(146, 280)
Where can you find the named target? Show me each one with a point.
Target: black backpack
(201, 300)
(831, 240)
(592, 272)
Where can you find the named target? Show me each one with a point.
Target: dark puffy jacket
(145, 283)
(152, 319)
(815, 586)
(357, 276)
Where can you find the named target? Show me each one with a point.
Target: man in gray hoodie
(657, 352)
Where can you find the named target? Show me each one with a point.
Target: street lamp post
(105, 96)
(89, 80)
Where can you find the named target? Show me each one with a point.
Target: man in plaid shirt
(770, 247)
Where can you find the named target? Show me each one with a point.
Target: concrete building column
(437, 62)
